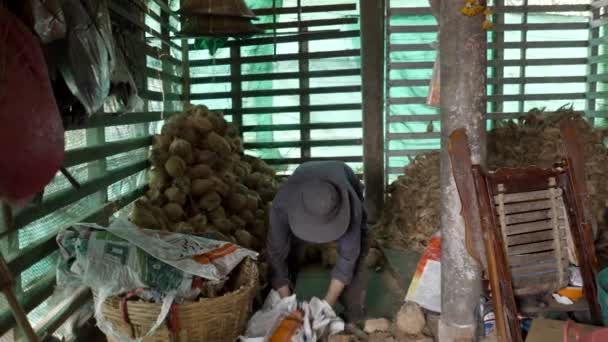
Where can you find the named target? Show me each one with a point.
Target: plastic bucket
(602, 285)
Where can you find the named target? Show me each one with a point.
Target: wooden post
(304, 95)
(236, 86)
(462, 47)
(372, 14)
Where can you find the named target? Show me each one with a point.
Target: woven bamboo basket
(220, 319)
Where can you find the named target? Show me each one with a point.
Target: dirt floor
(384, 295)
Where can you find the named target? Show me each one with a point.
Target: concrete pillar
(462, 45)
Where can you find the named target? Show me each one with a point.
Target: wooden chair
(526, 226)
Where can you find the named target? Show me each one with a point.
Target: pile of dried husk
(411, 214)
(202, 183)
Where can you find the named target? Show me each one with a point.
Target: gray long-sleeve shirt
(349, 246)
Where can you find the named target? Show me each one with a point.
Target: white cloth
(319, 319)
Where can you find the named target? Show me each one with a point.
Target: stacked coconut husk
(411, 215)
(201, 183)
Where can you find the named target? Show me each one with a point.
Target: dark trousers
(353, 296)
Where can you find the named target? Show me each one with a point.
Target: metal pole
(372, 14)
(462, 47)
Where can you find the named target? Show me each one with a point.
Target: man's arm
(348, 250)
(277, 246)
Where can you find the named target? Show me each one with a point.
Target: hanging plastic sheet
(87, 64)
(47, 19)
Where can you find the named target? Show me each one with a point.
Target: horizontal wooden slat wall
(597, 73)
(537, 57)
(282, 100)
(108, 156)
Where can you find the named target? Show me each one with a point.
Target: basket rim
(242, 290)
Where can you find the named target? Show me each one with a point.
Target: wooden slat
(158, 96)
(32, 254)
(538, 97)
(280, 57)
(499, 9)
(537, 80)
(532, 237)
(531, 248)
(414, 118)
(437, 117)
(59, 314)
(297, 109)
(529, 227)
(527, 217)
(107, 119)
(538, 62)
(530, 259)
(406, 100)
(409, 65)
(309, 23)
(66, 197)
(410, 153)
(279, 92)
(412, 28)
(306, 9)
(414, 135)
(295, 127)
(533, 270)
(164, 76)
(535, 281)
(505, 45)
(542, 26)
(42, 290)
(118, 10)
(86, 154)
(309, 36)
(312, 143)
(158, 54)
(511, 208)
(40, 249)
(525, 196)
(278, 76)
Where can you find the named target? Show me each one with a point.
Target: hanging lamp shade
(227, 8)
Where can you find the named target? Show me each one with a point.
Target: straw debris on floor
(411, 214)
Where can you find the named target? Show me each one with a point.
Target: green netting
(422, 125)
(290, 66)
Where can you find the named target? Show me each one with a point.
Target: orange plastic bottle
(288, 327)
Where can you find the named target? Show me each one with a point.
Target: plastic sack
(320, 320)
(87, 63)
(47, 19)
(425, 288)
(123, 257)
(123, 90)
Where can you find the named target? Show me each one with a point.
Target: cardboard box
(545, 330)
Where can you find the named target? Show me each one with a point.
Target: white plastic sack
(319, 319)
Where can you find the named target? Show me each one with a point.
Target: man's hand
(284, 292)
(333, 293)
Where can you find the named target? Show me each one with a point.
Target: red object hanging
(31, 132)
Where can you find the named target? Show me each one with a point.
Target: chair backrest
(534, 225)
